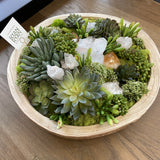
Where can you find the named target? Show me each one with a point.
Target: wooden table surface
(21, 139)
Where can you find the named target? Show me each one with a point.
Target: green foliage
(120, 103)
(125, 73)
(64, 42)
(76, 92)
(130, 31)
(112, 45)
(42, 32)
(142, 64)
(81, 30)
(105, 111)
(40, 92)
(23, 83)
(105, 28)
(138, 42)
(85, 120)
(35, 68)
(18, 68)
(84, 61)
(105, 74)
(73, 20)
(134, 90)
(26, 51)
(58, 23)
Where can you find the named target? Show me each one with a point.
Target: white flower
(113, 87)
(126, 42)
(55, 72)
(69, 62)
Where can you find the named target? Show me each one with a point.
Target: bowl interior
(85, 132)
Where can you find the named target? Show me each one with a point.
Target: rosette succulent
(106, 28)
(76, 92)
(73, 20)
(44, 54)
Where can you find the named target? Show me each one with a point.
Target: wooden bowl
(87, 132)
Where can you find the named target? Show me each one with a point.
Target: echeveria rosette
(76, 93)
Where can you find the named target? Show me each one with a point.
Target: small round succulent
(73, 20)
(76, 92)
(35, 68)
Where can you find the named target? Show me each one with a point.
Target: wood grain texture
(87, 132)
(22, 139)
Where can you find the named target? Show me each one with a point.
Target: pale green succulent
(76, 92)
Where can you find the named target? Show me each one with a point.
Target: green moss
(85, 120)
(58, 23)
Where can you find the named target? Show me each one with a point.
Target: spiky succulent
(73, 20)
(76, 92)
(112, 45)
(130, 31)
(125, 73)
(106, 28)
(35, 67)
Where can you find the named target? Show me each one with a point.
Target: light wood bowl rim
(88, 132)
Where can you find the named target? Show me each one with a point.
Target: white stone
(35, 43)
(97, 45)
(126, 42)
(54, 31)
(90, 25)
(113, 87)
(69, 62)
(55, 72)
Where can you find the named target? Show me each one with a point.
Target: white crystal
(90, 25)
(54, 31)
(113, 87)
(97, 45)
(55, 72)
(126, 42)
(35, 43)
(69, 62)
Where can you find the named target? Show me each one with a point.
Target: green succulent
(141, 61)
(122, 104)
(125, 73)
(35, 68)
(139, 43)
(73, 20)
(112, 45)
(40, 92)
(134, 90)
(105, 75)
(23, 83)
(64, 42)
(106, 28)
(76, 92)
(130, 31)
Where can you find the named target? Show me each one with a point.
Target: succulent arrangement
(81, 71)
